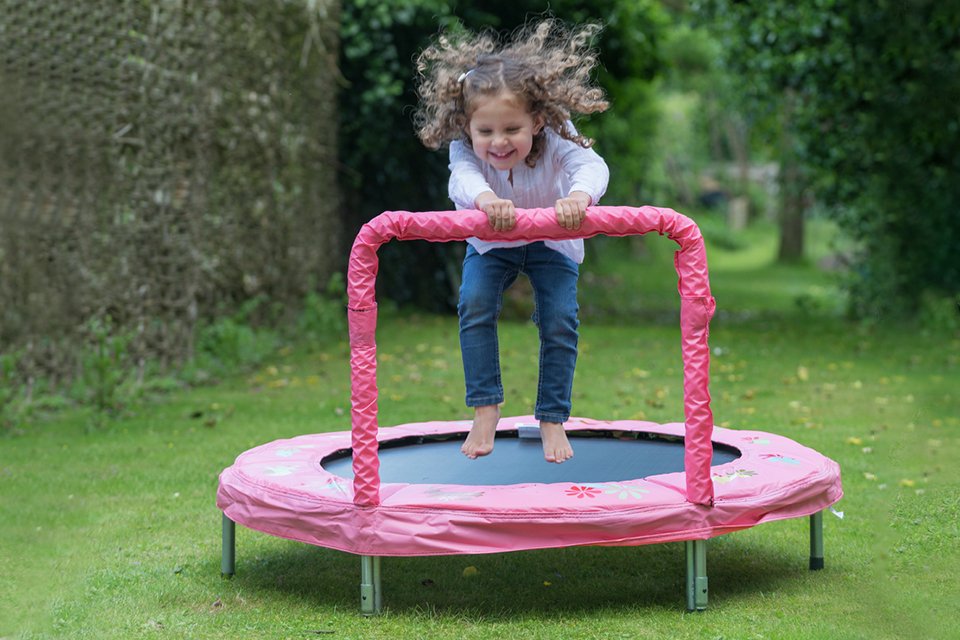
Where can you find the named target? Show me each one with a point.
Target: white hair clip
(463, 76)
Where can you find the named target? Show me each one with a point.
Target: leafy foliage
(878, 86)
(103, 364)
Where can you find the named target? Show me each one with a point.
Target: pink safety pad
(280, 488)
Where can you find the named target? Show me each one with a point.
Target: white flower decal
(280, 470)
(623, 491)
(448, 496)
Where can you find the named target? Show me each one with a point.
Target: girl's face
(502, 129)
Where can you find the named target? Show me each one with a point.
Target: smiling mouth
(501, 156)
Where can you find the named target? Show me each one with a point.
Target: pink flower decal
(583, 491)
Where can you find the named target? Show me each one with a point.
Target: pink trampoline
(407, 491)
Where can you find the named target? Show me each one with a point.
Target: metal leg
(228, 558)
(378, 590)
(816, 541)
(696, 575)
(371, 600)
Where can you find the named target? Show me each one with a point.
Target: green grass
(112, 532)
(637, 278)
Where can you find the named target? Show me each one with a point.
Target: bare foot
(556, 447)
(480, 440)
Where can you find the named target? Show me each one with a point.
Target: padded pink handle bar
(696, 309)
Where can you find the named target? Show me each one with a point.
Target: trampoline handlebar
(696, 308)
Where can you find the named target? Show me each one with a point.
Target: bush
(161, 163)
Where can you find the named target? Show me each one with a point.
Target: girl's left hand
(572, 210)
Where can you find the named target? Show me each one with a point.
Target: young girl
(504, 108)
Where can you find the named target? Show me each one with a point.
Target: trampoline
(408, 491)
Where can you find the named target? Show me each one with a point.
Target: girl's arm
(467, 181)
(585, 169)
(588, 176)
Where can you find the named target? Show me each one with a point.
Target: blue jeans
(554, 278)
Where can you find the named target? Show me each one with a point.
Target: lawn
(109, 530)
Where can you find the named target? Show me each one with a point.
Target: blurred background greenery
(181, 182)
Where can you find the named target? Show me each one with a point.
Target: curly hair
(545, 63)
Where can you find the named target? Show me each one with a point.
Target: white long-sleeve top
(563, 167)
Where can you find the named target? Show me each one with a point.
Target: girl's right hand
(501, 213)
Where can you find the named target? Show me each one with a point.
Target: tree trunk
(791, 188)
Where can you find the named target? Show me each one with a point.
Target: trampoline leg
(228, 558)
(816, 541)
(371, 600)
(696, 575)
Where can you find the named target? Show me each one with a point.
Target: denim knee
(558, 323)
(477, 306)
